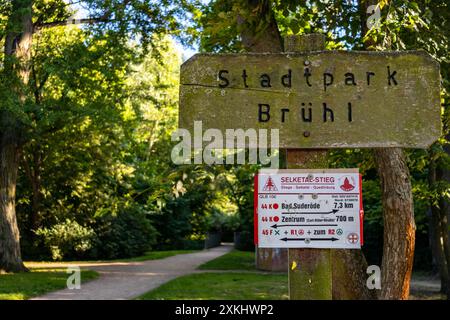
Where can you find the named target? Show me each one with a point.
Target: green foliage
(219, 221)
(243, 195)
(373, 222)
(67, 239)
(101, 126)
(127, 233)
(220, 25)
(178, 218)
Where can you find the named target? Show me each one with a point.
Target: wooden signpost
(318, 100)
(310, 270)
(321, 99)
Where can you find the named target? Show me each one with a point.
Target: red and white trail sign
(308, 209)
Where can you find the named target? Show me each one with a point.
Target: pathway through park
(127, 280)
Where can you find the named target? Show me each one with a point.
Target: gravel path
(127, 280)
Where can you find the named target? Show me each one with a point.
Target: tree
(398, 211)
(113, 21)
(17, 56)
(436, 41)
(408, 25)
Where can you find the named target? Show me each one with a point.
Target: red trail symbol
(270, 186)
(347, 186)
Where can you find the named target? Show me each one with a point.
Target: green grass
(226, 286)
(234, 260)
(22, 286)
(151, 255)
(154, 255)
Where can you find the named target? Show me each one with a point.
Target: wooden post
(310, 270)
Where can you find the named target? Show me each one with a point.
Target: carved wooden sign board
(323, 99)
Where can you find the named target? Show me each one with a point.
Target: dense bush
(242, 193)
(245, 241)
(225, 223)
(67, 239)
(123, 234)
(127, 233)
(172, 222)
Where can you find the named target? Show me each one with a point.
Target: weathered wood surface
(400, 107)
(310, 270)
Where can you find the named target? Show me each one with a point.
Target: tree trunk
(398, 213)
(350, 277)
(266, 40)
(16, 66)
(444, 206)
(10, 256)
(435, 228)
(445, 229)
(399, 225)
(437, 247)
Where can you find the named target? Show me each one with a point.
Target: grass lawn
(234, 260)
(151, 255)
(226, 286)
(154, 255)
(21, 286)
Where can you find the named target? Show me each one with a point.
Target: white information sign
(319, 208)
